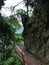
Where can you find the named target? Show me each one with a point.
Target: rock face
(36, 42)
(48, 42)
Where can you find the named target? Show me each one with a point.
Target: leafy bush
(7, 40)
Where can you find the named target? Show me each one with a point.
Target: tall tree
(39, 28)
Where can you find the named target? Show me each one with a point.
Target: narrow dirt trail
(28, 59)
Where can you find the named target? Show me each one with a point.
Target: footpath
(28, 59)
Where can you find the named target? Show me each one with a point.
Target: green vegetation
(35, 34)
(13, 60)
(8, 39)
